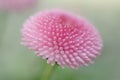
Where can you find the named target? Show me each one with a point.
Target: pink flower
(63, 38)
(13, 5)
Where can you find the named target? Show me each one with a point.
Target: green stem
(48, 72)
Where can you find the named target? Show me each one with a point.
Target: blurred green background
(19, 63)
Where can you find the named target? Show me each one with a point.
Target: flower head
(62, 37)
(15, 5)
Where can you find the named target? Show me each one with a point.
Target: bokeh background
(19, 63)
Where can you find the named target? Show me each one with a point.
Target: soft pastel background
(19, 63)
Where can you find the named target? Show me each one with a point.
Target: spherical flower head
(16, 5)
(62, 38)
